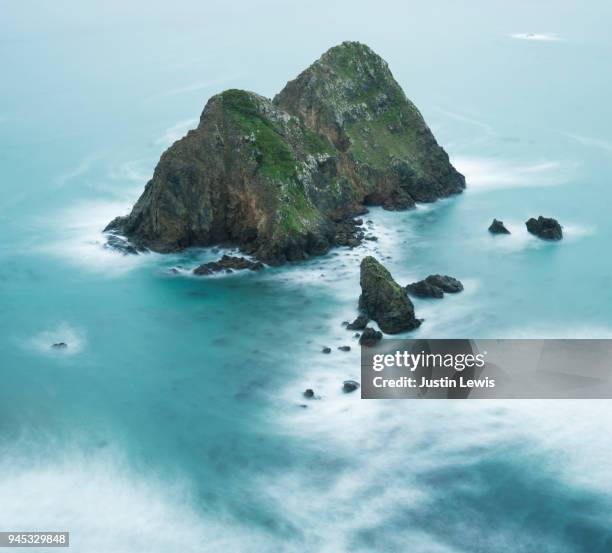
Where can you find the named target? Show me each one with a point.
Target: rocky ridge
(283, 179)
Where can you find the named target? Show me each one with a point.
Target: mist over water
(173, 421)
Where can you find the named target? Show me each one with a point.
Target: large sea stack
(281, 178)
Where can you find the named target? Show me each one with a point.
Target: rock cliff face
(282, 179)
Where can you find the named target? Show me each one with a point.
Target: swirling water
(172, 422)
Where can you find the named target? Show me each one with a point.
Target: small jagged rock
(384, 300)
(344, 348)
(59, 345)
(359, 323)
(309, 393)
(370, 337)
(546, 228)
(349, 386)
(228, 263)
(326, 350)
(497, 227)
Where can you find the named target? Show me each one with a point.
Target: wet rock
(447, 283)
(344, 348)
(434, 286)
(349, 386)
(228, 264)
(497, 227)
(121, 245)
(59, 345)
(326, 350)
(545, 228)
(309, 393)
(423, 289)
(370, 337)
(384, 300)
(359, 323)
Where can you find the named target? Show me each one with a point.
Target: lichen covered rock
(384, 300)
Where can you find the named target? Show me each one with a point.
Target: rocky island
(282, 179)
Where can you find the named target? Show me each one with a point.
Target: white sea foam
(80, 240)
(108, 506)
(483, 174)
(74, 338)
(591, 142)
(542, 37)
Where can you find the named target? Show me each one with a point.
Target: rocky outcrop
(497, 227)
(349, 386)
(283, 180)
(228, 264)
(385, 148)
(545, 228)
(384, 300)
(359, 323)
(423, 289)
(434, 286)
(370, 337)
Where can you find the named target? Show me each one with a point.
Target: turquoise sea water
(173, 422)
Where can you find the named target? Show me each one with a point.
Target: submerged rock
(326, 350)
(370, 337)
(384, 300)
(228, 264)
(349, 386)
(121, 245)
(283, 180)
(59, 345)
(545, 228)
(497, 227)
(344, 348)
(309, 393)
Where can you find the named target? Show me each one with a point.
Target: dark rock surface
(344, 348)
(545, 228)
(283, 180)
(424, 289)
(384, 300)
(434, 286)
(349, 386)
(370, 337)
(326, 350)
(359, 323)
(446, 283)
(497, 227)
(59, 345)
(120, 244)
(309, 393)
(228, 264)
